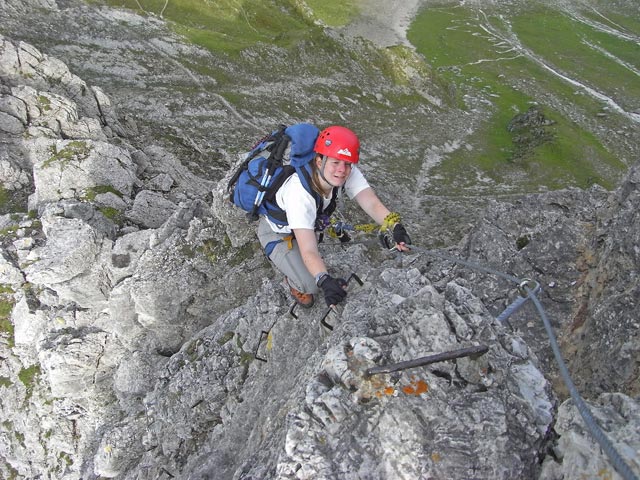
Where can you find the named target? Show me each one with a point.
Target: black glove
(333, 289)
(400, 234)
(344, 237)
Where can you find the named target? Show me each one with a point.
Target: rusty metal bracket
(474, 351)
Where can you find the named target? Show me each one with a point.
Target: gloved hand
(344, 237)
(333, 289)
(400, 234)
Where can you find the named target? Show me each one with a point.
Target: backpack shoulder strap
(287, 171)
(304, 173)
(333, 204)
(275, 142)
(305, 178)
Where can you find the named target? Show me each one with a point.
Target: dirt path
(383, 22)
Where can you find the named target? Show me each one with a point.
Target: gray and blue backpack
(254, 185)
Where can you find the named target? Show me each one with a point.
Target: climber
(293, 248)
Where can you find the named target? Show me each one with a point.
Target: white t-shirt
(300, 205)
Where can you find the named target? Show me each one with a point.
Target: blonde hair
(315, 175)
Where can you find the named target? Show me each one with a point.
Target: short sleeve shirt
(300, 206)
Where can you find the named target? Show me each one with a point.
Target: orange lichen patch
(417, 387)
(388, 391)
(409, 390)
(421, 387)
(435, 456)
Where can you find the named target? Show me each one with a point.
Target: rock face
(583, 248)
(138, 299)
(616, 411)
(605, 323)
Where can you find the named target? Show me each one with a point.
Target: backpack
(254, 184)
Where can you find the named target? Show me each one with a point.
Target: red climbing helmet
(338, 142)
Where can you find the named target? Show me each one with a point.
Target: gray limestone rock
(71, 261)
(161, 182)
(10, 124)
(605, 328)
(30, 327)
(338, 423)
(24, 65)
(90, 213)
(150, 209)
(68, 169)
(14, 174)
(72, 363)
(234, 221)
(111, 200)
(116, 453)
(577, 452)
(12, 177)
(52, 115)
(25, 6)
(163, 165)
(126, 253)
(14, 106)
(10, 274)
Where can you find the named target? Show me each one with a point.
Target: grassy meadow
(474, 51)
(230, 26)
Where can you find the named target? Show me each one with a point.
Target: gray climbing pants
(284, 253)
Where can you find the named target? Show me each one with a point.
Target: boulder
(150, 209)
(76, 169)
(71, 261)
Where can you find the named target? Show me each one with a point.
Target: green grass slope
(476, 51)
(230, 26)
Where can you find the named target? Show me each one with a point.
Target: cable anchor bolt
(528, 284)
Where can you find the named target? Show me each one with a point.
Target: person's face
(335, 171)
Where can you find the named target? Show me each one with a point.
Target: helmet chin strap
(321, 171)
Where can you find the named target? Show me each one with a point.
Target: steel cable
(616, 460)
(466, 263)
